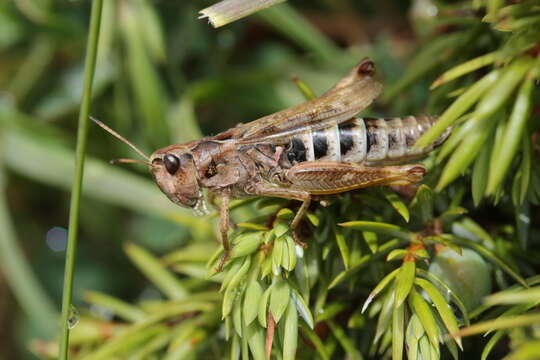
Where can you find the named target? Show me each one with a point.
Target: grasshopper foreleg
(224, 225)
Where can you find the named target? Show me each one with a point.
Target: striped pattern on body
(371, 141)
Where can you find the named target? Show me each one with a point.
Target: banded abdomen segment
(373, 141)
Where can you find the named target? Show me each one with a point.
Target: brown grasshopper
(315, 148)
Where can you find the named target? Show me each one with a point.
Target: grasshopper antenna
(124, 140)
(129, 161)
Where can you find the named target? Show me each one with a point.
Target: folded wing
(353, 93)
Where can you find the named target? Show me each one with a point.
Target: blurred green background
(162, 77)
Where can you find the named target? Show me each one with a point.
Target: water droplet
(73, 317)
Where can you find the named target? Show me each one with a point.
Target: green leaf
(411, 339)
(302, 308)
(458, 108)
(281, 228)
(252, 298)
(423, 311)
(316, 341)
(286, 215)
(465, 68)
(343, 247)
(385, 315)
(456, 137)
(398, 317)
(228, 301)
(285, 255)
(503, 88)
(378, 227)
(371, 240)
(231, 270)
(512, 137)
(481, 172)
(501, 323)
(527, 351)
(246, 243)
(404, 281)
(279, 299)
(380, 287)
(423, 203)
(263, 304)
(464, 155)
(397, 254)
(488, 106)
(251, 226)
(241, 274)
(151, 267)
(364, 260)
(442, 306)
(519, 296)
(277, 254)
(432, 54)
(118, 307)
(444, 287)
(255, 338)
(313, 219)
(450, 215)
(425, 348)
(397, 203)
(292, 253)
(491, 344)
(290, 337)
(349, 347)
(237, 316)
(522, 178)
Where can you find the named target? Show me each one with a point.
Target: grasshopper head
(175, 173)
(173, 169)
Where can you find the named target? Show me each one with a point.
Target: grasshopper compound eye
(171, 163)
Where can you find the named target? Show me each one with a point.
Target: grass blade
(90, 64)
(19, 275)
(287, 20)
(156, 272)
(227, 11)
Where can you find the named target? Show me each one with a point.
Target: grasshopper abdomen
(373, 141)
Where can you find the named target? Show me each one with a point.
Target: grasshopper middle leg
(286, 193)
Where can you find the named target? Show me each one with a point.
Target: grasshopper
(315, 148)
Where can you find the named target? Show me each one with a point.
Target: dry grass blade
(227, 11)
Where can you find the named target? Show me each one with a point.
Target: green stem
(19, 275)
(90, 64)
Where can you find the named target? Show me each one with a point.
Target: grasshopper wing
(354, 92)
